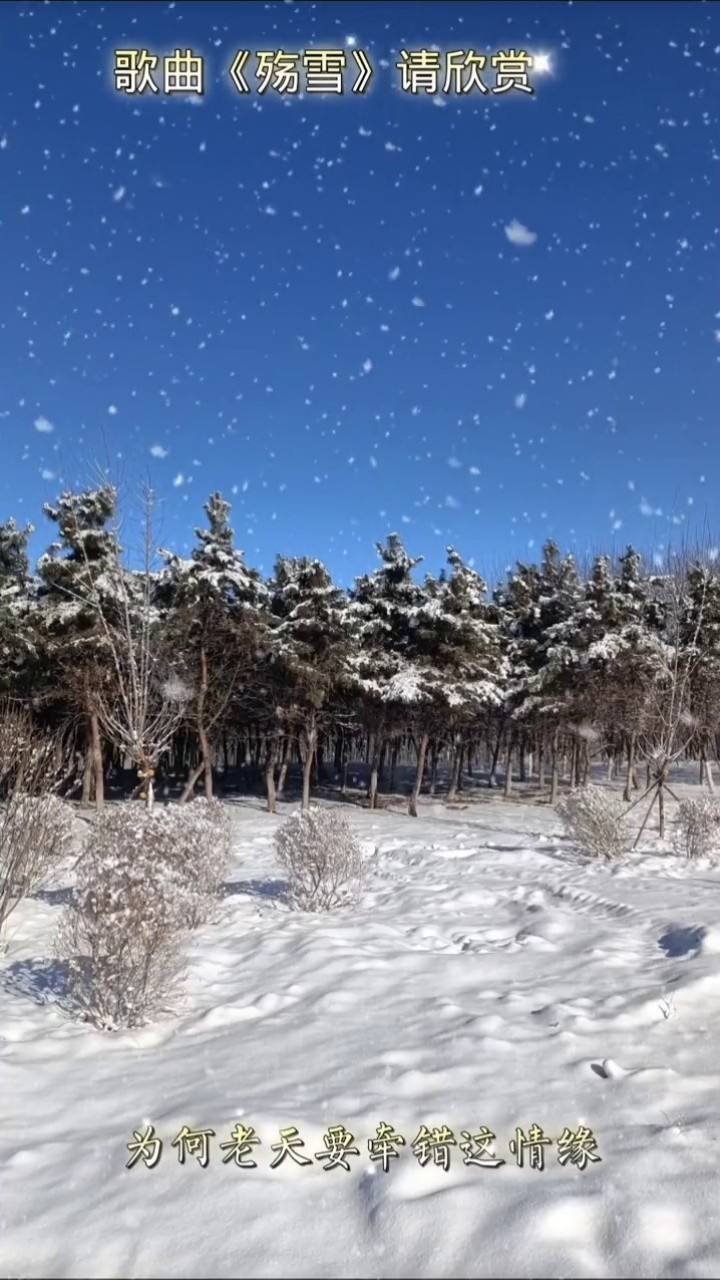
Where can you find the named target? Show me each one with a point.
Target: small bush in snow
(35, 831)
(35, 826)
(193, 839)
(698, 827)
(197, 837)
(122, 937)
(593, 818)
(322, 858)
(53, 819)
(146, 878)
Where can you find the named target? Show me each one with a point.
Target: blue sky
(315, 304)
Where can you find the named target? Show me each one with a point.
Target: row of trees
(190, 661)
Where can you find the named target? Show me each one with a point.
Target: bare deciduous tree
(142, 702)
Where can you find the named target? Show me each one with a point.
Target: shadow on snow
(44, 981)
(268, 890)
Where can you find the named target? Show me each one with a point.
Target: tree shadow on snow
(44, 981)
(268, 890)
(681, 940)
(55, 897)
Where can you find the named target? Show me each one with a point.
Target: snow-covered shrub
(52, 818)
(194, 840)
(698, 827)
(35, 831)
(35, 825)
(122, 937)
(593, 818)
(147, 877)
(322, 858)
(200, 835)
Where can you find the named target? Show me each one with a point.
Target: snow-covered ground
(491, 978)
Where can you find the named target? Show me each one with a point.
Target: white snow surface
(492, 977)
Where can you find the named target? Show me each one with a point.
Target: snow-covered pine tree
(14, 559)
(615, 642)
(383, 615)
(75, 574)
(560, 590)
(701, 635)
(213, 604)
(516, 601)
(537, 603)
(469, 658)
(18, 649)
(309, 647)
(428, 657)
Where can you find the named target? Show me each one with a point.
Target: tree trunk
(631, 762)
(507, 790)
(189, 788)
(554, 770)
(455, 774)
(585, 763)
(201, 729)
(393, 764)
(573, 765)
(414, 796)
(310, 745)
(207, 762)
(378, 753)
(495, 758)
(270, 762)
(433, 766)
(87, 773)
(541, 764)
(96, 746)
(287, 749)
